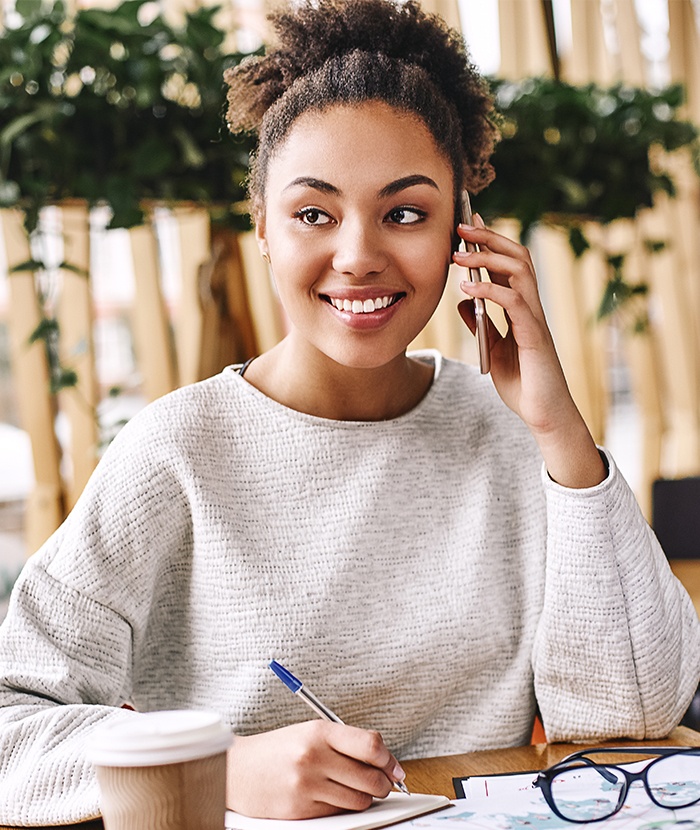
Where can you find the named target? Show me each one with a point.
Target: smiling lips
(363, 306)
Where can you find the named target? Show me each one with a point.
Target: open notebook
(395, 807)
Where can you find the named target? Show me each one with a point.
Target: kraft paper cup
(162, 771)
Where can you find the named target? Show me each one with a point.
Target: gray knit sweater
(423, 575)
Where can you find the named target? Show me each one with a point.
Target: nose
(359, 248)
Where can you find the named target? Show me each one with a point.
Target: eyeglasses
(580, 790)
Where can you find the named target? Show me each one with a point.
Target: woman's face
(358, 226)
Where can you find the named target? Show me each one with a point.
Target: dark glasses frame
(580, 758)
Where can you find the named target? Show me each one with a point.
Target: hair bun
(311, 32)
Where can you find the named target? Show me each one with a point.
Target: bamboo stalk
(265, 308)
(76, 318)
(525, 48)
(37, 406)
(151, 327)
(195, 250)
(571, 313)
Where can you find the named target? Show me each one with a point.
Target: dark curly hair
(352, 51)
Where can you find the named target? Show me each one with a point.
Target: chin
(365, 358)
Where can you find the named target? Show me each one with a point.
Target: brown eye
(313, 216)
(405, 216)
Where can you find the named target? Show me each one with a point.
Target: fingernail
(465, 285)
(398, 773)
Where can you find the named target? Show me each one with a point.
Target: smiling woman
(359, 246)
(464, 551)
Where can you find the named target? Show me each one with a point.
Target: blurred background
(128, 268)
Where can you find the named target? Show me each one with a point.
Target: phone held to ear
(482, 329)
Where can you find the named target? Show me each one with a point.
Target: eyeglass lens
(675, 781)
(583, 794)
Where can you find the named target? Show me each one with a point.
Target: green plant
(114, 107)
(572, 154)
(119, 107)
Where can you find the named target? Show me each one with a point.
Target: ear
(261, 239)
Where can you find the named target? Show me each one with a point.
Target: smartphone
(482, 320)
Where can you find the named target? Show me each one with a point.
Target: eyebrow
(316, 184)
(390, 189)
(393, 188)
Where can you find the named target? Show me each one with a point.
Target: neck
(311, 382)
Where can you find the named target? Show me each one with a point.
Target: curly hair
(352, 51)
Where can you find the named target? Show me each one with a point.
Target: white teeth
(361, 306)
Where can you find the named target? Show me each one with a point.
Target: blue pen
(295, 685)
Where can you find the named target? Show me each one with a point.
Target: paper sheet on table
(509, 802)
(394, 808)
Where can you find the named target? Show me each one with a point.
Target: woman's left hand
(524, 364)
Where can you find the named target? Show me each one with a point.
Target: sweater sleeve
(76, 615)
(617, 651)
(64, 662)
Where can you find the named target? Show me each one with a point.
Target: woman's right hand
(309, 769)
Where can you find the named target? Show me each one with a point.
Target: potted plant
(115, 107)
(119, 107)
(570, 155)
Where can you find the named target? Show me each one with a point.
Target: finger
(506, 272)
(504, 259)
(468, 314)
(359, 777)
(502, 268)
(367, 746)
(485, 237)
(529, 330)
(337, 797)
(322, 770)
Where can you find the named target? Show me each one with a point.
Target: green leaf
(125, 215)
(152, 159)
(191, 153)
(655, 245)
(29, 9)
(64, 379)
(616, 293)
(616, 261)
(577, 241)
(67, 266)
(22, 123)
(113, 21)
(639, 290)
(27, 265)
(47, 328)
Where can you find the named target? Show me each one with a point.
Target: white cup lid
(155, 738)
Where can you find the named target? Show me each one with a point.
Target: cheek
(430, 260)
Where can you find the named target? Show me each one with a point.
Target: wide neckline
(429, 356)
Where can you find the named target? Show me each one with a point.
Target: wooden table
(688, 571)
(434, 775)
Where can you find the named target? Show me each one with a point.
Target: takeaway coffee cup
(162, 771)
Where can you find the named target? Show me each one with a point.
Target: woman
(433, 563)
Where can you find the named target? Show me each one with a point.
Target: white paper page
(509, 802)
(395, 807)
